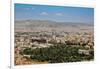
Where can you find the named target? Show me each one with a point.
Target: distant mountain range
(32, 24)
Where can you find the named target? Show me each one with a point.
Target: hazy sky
(54, 13)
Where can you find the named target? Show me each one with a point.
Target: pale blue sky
(54, 13)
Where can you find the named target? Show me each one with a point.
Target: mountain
(46, 24)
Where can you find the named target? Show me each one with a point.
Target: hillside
(45, 25)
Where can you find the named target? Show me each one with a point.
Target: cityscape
(53, 34)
